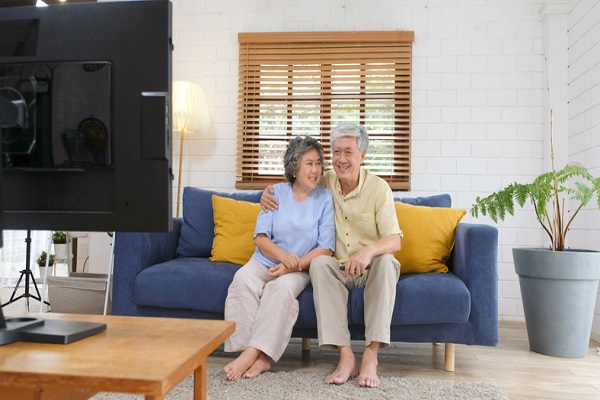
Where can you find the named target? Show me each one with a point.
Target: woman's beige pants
(264, 309)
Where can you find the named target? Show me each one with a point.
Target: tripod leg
(12, 297)
(38, 297)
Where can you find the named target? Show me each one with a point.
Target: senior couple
(337, 230)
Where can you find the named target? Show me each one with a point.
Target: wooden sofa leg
(305, 344)
(449, 357)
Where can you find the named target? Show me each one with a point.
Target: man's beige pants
(331, 299)
(264, 309)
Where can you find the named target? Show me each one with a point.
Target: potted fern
(558, 285)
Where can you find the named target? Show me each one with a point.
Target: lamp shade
(190, 109)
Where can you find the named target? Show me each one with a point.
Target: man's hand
(358, 262)
(267, 201)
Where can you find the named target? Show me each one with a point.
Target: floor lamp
(190, 115)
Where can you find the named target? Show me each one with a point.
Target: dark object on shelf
(95, 138)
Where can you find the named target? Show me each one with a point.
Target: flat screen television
(85, 95)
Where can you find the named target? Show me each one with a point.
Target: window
(305, 83)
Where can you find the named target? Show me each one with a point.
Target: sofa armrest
(135, 251)
(475, 262)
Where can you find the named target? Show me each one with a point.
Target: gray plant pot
(559, 290)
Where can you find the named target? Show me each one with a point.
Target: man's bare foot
(368, 368)
(260, 365)
(346, 369)
(235, 369)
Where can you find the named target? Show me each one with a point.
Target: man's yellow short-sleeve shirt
(363, 216)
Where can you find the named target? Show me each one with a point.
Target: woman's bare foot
(368, 368)
(236, 369)
(260, 365)
(347, 368)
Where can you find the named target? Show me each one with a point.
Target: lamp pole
(190, 113)
(180, 170)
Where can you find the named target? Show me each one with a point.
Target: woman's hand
(277, 270)
(291, 261)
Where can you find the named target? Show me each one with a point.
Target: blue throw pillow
(198, 230)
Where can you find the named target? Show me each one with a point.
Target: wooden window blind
(305, 83)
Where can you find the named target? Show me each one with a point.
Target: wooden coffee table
(141, 355)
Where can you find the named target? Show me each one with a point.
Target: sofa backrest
(197, 232)
(438, 200)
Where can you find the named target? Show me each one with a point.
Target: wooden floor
(520, 373)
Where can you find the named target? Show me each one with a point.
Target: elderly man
(367, 236)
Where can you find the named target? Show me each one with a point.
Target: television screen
(85, 94)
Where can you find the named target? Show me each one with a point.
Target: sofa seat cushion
(192, 283)
(429, 298)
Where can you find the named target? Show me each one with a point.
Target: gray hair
(349, 129)
(296, 148)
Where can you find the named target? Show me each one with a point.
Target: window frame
(259, 78)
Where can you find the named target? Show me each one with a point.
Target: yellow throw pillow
(235, 221)
(428, 237)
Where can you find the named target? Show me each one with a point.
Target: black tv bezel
(135, 37)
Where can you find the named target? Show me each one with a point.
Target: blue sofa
(170, 275)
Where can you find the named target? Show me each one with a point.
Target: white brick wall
(584, 115)
(478, 81)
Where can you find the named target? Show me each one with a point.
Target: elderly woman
(262, 296)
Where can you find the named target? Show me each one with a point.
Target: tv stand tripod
(28, 274)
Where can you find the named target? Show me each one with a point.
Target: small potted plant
(59, 238)
(41, 262)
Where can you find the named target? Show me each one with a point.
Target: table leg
(200, 382)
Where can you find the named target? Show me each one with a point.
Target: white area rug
(310, 386)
